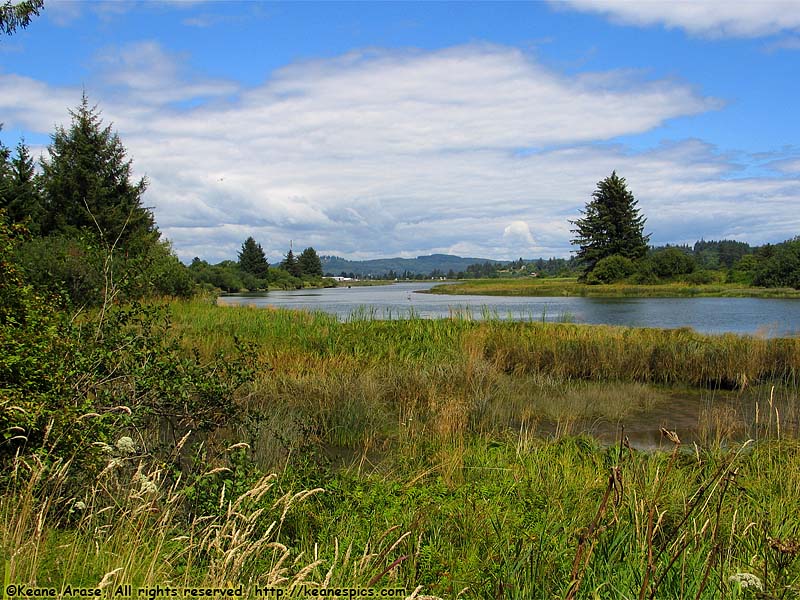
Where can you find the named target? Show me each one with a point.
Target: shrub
(611, 269)
(781, 268)
(700, 278)
(670, 262)
(71, 384)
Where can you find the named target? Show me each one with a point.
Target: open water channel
(677, 409)
(757, 316)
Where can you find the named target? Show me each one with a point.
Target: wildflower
(79, 505)
(147, 486)
(125, 445)
(746, 581)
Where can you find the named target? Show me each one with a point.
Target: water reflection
(758, 316)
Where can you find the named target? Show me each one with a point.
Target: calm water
(771, 317)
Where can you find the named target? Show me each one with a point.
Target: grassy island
(572, 287)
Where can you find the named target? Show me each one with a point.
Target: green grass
(446, 456)
(571, 287)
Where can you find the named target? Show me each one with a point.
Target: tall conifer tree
(20, 193)
(309, 263)
(290, 264)
(252, 259)
(88, 185)
(611, 225)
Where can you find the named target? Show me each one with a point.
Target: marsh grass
(571, 287)
(448, 457)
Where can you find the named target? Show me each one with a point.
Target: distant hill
(422, 265)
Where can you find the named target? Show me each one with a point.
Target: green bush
(72, 384)
(671, 262)
(781, 266)
(700, 278)
(611, 269)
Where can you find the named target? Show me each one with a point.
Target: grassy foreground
(444, 457)
(571, 287)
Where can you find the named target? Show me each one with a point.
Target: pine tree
(309, 263)
(611, 225)
(20, 194)
(252, 259)
(18, 15)
(290, 265)
(88, 185)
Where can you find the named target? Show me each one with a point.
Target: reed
(450, 458)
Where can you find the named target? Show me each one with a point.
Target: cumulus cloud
(518, 234)
(710, 18)
(475, 150)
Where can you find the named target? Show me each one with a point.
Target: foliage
(88, 186)
(309, 263)
(780, 265)
(671, 261)
(70, 382)
(20, 193)
(18, 15)
(252, 259)
(724, 253)
(290, 265)
(702, 277)
(91, 234)
(68, 267)
(611, 269)
(611, 225)
(77, 269)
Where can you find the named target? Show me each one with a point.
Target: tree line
(88, 233)
(612, 247)
(252, 270)
(88, 230)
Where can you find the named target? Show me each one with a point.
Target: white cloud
(144, 72)
(475, 150)
(711, 18)
(517, 234)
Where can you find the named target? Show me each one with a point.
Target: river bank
(571, 287)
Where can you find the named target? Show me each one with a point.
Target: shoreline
(571, 288)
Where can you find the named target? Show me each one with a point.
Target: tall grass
(447, 457)
(571, 287)
(562, 350)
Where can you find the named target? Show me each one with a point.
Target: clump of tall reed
(132, 525)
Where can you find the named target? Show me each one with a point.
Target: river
(758, 316)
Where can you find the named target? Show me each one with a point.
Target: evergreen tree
(309, 263)
(18, 15)
(252, 259)
(290, 265)
(20, 194)
(611, 225)
(88, 185)
(5, 173)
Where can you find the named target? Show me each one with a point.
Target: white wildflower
(104, 447)
(746, 581)
(148, 486)
(79, 505)
(125, 445)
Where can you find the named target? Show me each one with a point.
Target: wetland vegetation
(571, 286)
(450, 457)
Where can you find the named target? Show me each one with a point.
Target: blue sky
(399, 129)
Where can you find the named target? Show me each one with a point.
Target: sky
(378, 129)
